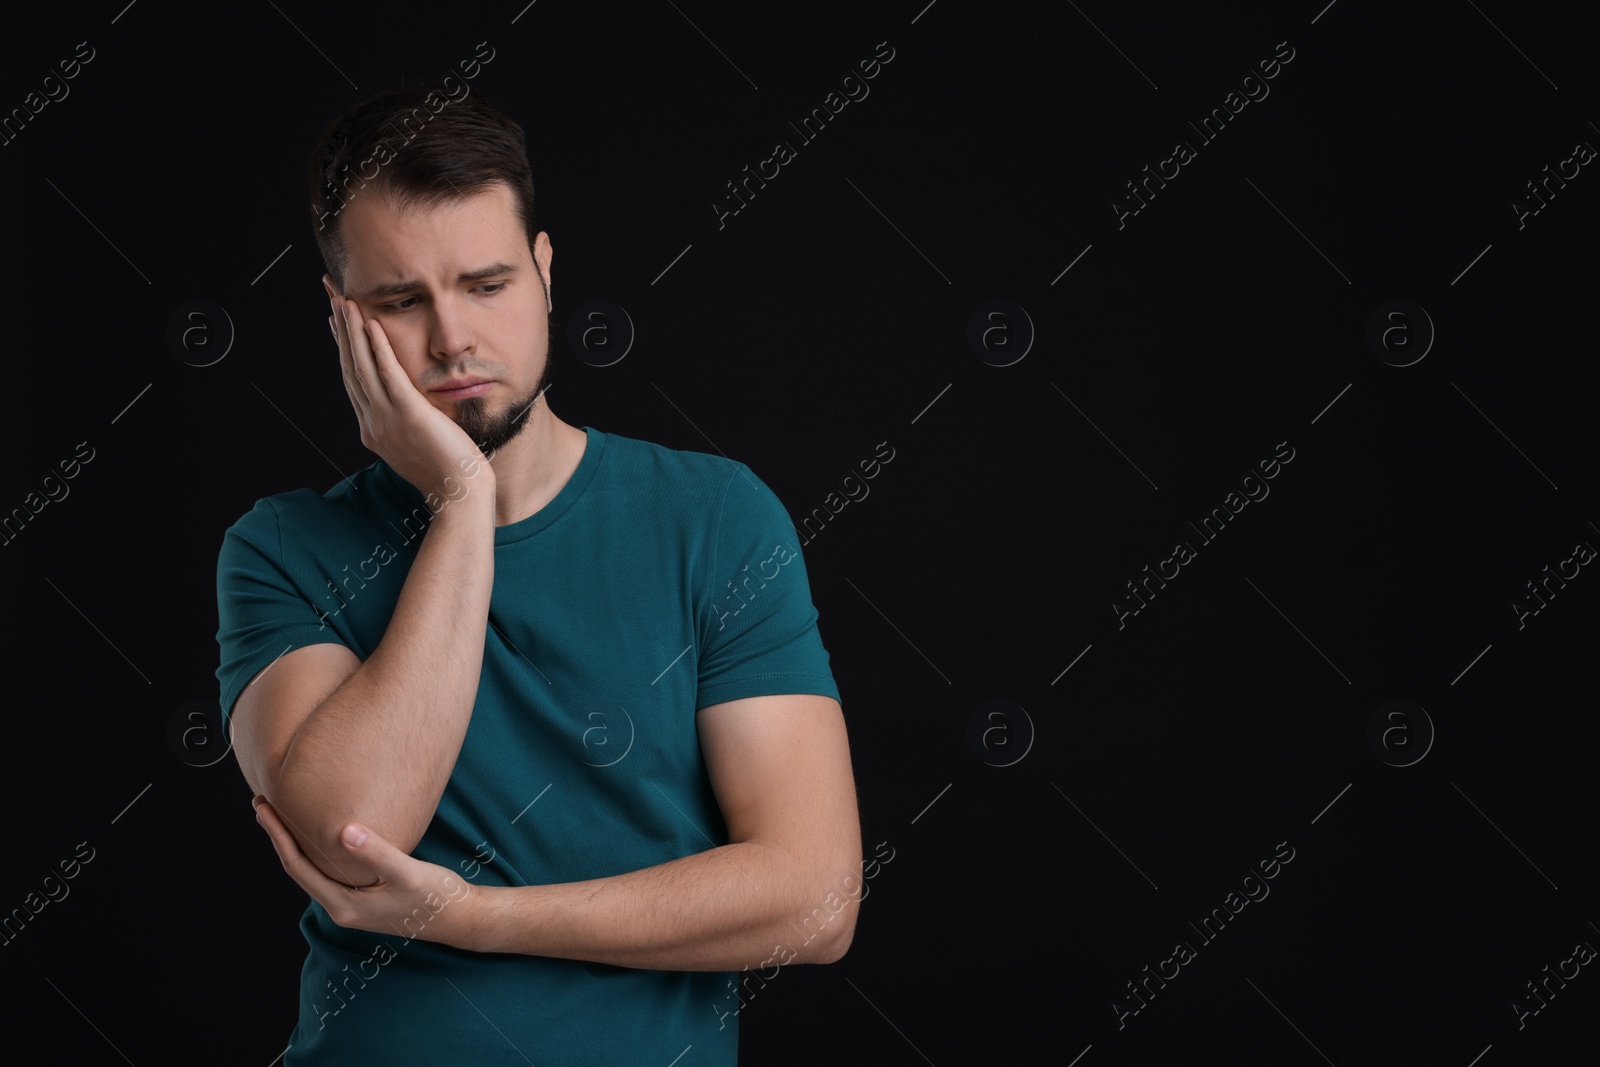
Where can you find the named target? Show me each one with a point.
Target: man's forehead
(456, 240)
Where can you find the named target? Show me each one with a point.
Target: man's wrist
(480, 922)
(471, 499)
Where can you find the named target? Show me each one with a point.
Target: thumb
(358, 837)
(371, 846)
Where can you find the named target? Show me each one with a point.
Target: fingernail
(355, 836)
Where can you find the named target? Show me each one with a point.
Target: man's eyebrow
(392, 289)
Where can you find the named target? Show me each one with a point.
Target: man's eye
(401, 306)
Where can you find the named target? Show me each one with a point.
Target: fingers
(374, 358)
(355, 355)
(287, 847)
(296, 864)
(358, 401)
(395, 382)
(354, 385)
(353, 389)
(347, 366)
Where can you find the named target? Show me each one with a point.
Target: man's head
(422, 206)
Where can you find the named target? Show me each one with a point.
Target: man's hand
(421, 443)
(411, 898)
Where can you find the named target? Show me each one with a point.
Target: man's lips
(460, 388)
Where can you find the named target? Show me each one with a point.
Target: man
(539, 716)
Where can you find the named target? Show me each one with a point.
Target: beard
(491, 432)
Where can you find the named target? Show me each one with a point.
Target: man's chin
(493, 431)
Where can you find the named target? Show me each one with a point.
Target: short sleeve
(757, 624)
(262, 614)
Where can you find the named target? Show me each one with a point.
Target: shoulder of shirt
(681, 469)
(349, 497)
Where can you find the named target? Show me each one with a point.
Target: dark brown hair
(418, 147)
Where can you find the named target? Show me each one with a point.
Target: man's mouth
(462, 388)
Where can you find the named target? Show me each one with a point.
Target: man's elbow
(319, 837)
(832, 939)
(317, 818)
(842, 907)
(833, 950)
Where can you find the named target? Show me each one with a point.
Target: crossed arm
(348, 761)
(780, 769)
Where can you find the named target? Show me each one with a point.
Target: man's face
(457, 294)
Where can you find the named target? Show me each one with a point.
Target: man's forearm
(743, 905)
(381, 747)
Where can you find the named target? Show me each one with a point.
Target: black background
(831, 314)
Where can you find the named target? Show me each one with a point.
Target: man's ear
(543, 252)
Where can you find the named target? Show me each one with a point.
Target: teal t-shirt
(656, 583)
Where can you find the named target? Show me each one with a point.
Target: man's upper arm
(269, 634)
(275, 704)
(780, 768)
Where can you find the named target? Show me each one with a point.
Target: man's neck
(533, 466)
